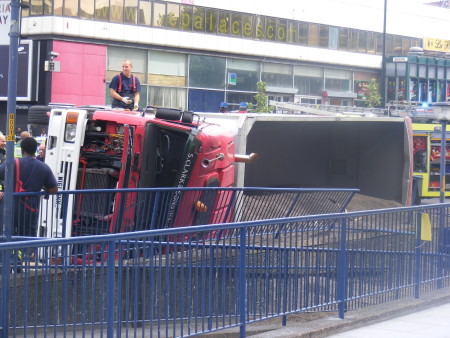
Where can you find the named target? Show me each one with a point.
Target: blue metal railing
(190, 280)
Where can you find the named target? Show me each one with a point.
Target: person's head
(42, 150)
(44, 131)
(24, 135)
(127, 66)
(28, 146)
(2, 141)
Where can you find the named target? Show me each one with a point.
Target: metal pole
(383, 59)
(443, 157)
(14, 35)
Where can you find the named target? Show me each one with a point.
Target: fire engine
(112, 149)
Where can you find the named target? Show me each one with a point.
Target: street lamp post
(441, 111)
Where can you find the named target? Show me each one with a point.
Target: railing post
(342, 267)
(4, 300)
(417, 255)
(242, 284)
(110, 294)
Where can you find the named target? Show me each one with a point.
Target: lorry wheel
(38, 115)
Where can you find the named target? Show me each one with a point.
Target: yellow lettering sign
(281, 33)
(185, 21)
(438, 45)
(11, 136)
(223, 26)
(199, 23)
(236, 27)
(269, 32)
(247, 29)
(259, 32)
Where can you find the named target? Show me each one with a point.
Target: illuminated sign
(438, 45)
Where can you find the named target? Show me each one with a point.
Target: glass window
(401, 69)
(259, 28)
(167, 69)
(308, 80)
(205, 100)
(87, 9)
(343, 38)
(277, 75)
(448, 74)
(379, 43)
(211, 20)
(323, 36)
(206, 71)
(224, 22)
(168, 97)
(422, 71)
(145, 13)
(390, 69)
(352, 40)
(116, 13)
(172, 16)
(371, 43)
(333, 37)
(362, 42)
(26, 11)
(432, 72)
(441, 73)
(130, 15)
(406, 45)
(246, 72)
(47, 7)
(313, 35)
(389, 44)
(102, 10)
(292, 32)
(281, 32)
(270, 29)
(234, 99)
(412, 70)
(303, 34)
(236, 24)
(71, 8)
(247, 26)
(338, 80)
(137, 56)
(36, 7)
(398, 50)
(159, 14)
(197, 22)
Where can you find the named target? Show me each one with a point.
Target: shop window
(391, 88)
(224, 23)
(167, 69)
(413, 89)
(303, 34)
(448, 73)
(137, 56)
(338, 80)
(422, 71)
(431, 71)
(159, 14)
(308, 80)
(130, 12)
(145, 13)
(313, 35)
(101, 10)
(323, 36)
(211, 20)
(423, 90)
(116, 11)
(206, 72)
(277, 75)
(390, 69)
(412, 70)
(343, 39)
(71, 8)
(401, 69)
(168, 97)
(233, 99)
(172, 16)
(205, 100)
(87, 9)
(440, 73)
(401, 92)
(245, 74)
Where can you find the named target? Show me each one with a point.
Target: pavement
(427, 317)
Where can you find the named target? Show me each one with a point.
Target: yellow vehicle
(427, 157)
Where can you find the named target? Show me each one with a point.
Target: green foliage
(373, 95)
(261, 99)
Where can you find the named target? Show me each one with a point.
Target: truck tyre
(38, 115)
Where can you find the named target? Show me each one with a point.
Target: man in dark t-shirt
(35, 176)
(125, 88)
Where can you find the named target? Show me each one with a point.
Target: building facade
(196, 54)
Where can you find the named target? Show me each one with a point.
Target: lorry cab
(115, 149)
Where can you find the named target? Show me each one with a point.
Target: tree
(373, 95)
(261, 98)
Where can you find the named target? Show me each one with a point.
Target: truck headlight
(71, 126)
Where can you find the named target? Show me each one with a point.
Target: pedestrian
(33, 176)
(41, 156)
(125, 88)
(2, 148)
(18, 131)
(43, 133)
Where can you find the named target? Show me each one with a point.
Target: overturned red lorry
(113, 149)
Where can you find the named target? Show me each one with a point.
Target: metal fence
(190, 280)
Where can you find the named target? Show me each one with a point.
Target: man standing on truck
(31, 175)
(125, 88)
